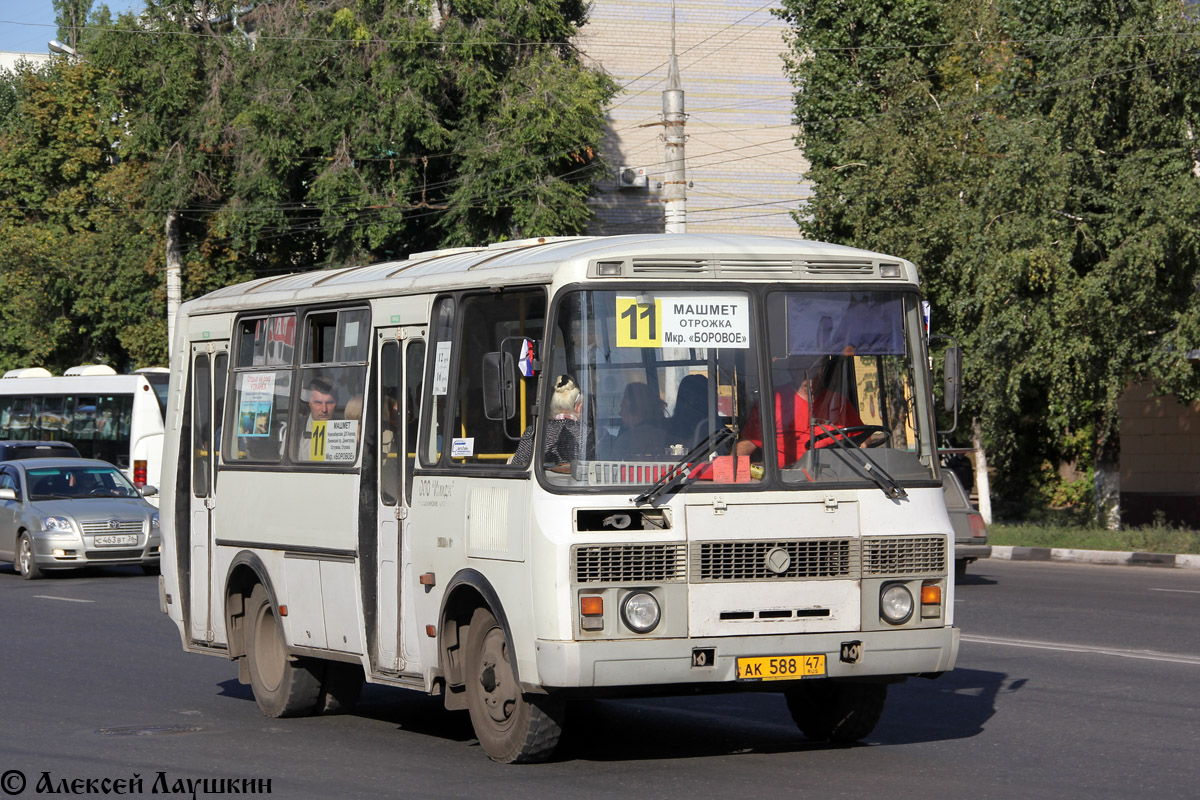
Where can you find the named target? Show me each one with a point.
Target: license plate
(117, 539)
(780, 668)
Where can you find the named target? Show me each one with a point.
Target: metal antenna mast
(675, 176)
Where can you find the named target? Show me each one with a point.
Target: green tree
(1037, 161)
(293, 135)
(71, 16)
(76, 264)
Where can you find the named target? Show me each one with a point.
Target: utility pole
(174, 277)
(675, 175)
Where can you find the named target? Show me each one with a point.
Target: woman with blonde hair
(564, 434)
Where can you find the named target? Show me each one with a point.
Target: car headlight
(154, 521)
(640, 612)
(896, 603)
(57, 525)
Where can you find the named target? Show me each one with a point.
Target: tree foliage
(1038, 162)
(285, 135)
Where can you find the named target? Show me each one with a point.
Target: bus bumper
(628, 662)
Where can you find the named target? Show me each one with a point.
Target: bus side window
(489, 322)
(389, 423)
(255, 422)
(414, 371)
(434, 408)
(83, 426)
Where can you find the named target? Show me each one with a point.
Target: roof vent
(29, 372)
(91, 369)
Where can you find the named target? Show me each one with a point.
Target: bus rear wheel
(836, 711)
(512, 727)
(284, 685)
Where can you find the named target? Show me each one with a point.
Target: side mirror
(8, 494)
(499, 386)
(952, 374)
(149, 491)
(951, 378)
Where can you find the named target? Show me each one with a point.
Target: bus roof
(528, 261)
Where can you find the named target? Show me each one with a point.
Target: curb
(1110, 557)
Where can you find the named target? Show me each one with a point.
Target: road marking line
(67, 599)
(1144, 655)
(1181, 591)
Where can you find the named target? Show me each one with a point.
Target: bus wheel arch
(467, 591)
(481, 674)
(245, 572)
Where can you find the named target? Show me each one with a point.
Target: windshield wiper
(878, 475)
(684, 467)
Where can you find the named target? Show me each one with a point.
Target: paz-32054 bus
(516, 475)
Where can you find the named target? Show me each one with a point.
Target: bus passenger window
(332, 382)
(256, 421)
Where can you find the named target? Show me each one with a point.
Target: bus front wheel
(836, 711)
(284, 686)
(512, 727)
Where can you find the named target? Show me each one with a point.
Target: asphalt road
(1072, 681)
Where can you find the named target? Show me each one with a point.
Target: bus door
(401, 369)
(210, 365)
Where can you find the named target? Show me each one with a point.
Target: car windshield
(640, 377)
(56, 483)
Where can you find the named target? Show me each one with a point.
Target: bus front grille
(903, 555)
(765, 561)
(629, 563)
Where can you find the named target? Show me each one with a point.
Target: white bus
(116, 418)
(515, 475)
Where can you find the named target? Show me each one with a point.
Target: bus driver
(794, 420)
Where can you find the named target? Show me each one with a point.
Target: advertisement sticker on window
(254, 404)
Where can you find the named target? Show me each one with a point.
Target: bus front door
(401, 370)
(210, 365)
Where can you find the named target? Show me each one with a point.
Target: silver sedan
(63, 513)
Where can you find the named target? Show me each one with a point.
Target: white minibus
(518, 475)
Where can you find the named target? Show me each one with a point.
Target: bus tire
(512, 727)
(284, 685)
(341, 685)
(26, 561)
(836, 711)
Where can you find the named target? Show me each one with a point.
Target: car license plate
(780, 668)
(115, 540)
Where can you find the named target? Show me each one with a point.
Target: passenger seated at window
(564, 440)
(320, 393)
(691, 409)
(642, 420)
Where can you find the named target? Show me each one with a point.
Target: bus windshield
(640, 379)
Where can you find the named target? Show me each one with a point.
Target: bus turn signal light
(931, 595)
(591, 606)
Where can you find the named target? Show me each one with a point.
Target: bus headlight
(896, 603)
(640, 612)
